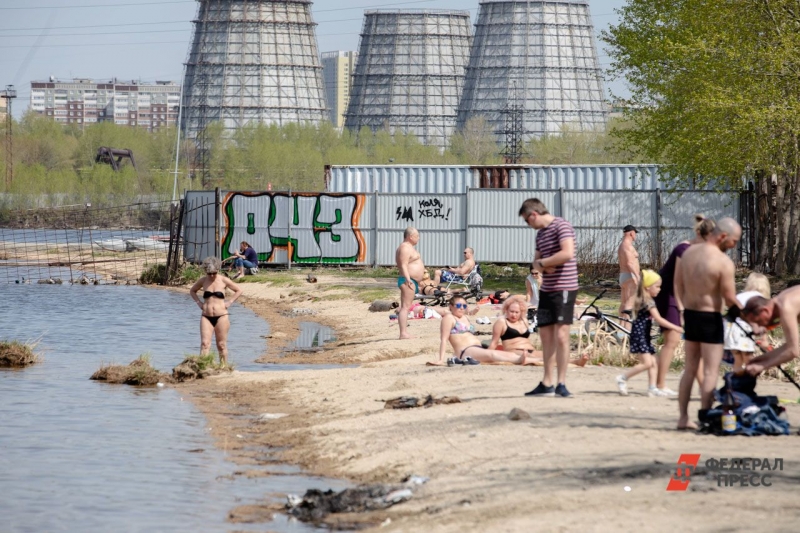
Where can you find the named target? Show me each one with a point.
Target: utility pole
(9, 94)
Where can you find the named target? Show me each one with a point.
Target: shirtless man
(705, 284)
(628, 270)
(411, 268)
(784, 310)
(456, 273)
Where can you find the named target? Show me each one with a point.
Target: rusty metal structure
(114, 157)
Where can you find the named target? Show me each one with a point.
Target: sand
(564, 469)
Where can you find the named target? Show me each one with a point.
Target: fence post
(561, 208)
(466, 219)
(375, 230)
(658, 259)
(289, 217)
(217, 222)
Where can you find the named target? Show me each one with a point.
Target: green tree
(476, 143)
(715, 94)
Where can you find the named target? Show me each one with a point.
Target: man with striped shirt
(555, 259)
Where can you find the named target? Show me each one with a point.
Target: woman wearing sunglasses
(457, 329)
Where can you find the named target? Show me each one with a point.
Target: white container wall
(365, 229)
(420, 179)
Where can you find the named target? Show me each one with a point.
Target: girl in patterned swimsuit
(641, 344)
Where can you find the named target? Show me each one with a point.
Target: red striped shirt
(548, 243)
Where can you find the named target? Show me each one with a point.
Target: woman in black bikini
(214, 320)
(512, 334)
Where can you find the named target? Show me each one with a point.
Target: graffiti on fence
(311, 228)
(427, 208)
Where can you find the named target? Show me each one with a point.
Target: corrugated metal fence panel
(599, 245)
(610, 209)
(439, 218)
(401, 179)
(198, 226)
(678, 209)
(314, 227)
(418, 179)
(495, 230)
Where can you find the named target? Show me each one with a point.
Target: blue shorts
(448, 276)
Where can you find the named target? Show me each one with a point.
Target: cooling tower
(537, 56)
(410, 73)
(253, 61)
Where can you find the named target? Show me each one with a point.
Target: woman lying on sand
(457, 329)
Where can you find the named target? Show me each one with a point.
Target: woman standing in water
(214, 319)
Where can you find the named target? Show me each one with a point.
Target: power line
(96, 26)
(100, 5)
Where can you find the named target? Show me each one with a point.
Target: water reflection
(311, 338)
(80, 455)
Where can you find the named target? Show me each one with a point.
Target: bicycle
(605, 320)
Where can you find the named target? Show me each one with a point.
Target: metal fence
(82, 244)
(365, 229)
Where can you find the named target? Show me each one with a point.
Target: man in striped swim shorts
(555, 259)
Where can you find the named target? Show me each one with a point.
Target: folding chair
(470, 286)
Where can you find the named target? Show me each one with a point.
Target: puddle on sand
(312, 338)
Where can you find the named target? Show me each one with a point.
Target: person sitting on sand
(511, 332)
(246, 257)
(214, 318)
(457, 329)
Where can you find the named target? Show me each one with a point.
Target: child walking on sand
(641, 344)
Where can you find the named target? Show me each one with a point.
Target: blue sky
(149, 39)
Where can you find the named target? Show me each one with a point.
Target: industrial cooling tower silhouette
(252, 61)
(410, 73)
(540, 57)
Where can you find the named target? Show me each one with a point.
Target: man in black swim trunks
(705, 284)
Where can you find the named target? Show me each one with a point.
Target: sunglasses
(460, 306)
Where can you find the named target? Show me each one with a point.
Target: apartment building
(2, 111)
(337, 71)
(84, 101)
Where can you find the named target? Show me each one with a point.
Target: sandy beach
(594, 462)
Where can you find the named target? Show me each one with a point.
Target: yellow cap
(649, 277)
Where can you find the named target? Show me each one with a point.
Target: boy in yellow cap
(641, 344)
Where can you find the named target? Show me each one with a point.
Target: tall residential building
(337, 71)
(83, 101)
(2, 111)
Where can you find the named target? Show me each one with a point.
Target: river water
(80, 455)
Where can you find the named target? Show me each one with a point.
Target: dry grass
(137, 373)
(16, 354)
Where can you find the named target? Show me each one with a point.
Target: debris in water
(315, 505)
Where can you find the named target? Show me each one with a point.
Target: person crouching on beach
(641, 343)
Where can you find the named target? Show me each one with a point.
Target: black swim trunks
(703, 326)
(555, 308)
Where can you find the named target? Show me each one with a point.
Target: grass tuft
(17, 354)
(138, 373)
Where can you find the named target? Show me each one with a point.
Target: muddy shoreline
(563, 469)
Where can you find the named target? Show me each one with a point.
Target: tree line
(54, 164)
